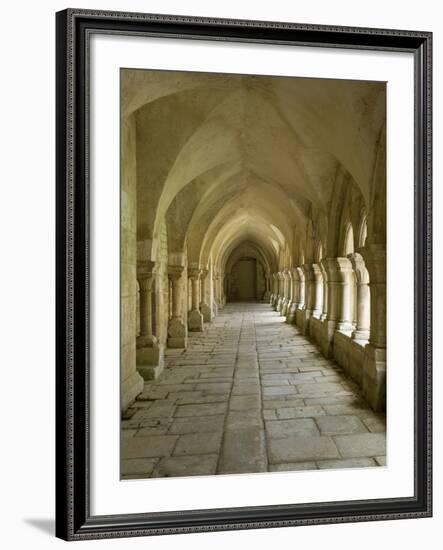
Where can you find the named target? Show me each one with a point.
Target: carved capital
(175, 271)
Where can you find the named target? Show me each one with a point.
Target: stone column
(324, 314)
(301, 289)
(145, 277)
(195, 318)
(295, 288)
(221, 288)
(277, 290)
(177, 330)
(318, 291)
(214, 297)
(274, 297)
(280, 291)
(361, 333)
(149, 355)
(287, 292)
(308, 271)
(204, 307)
(339, 316)
(374, 369)
(216, 300)
(267, 294)
(219, 291)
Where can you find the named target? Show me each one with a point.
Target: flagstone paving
(250, 394)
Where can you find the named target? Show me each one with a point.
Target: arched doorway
(243, 280)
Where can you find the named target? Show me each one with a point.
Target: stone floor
(250, 394)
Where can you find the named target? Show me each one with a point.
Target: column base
(374, 377)
(146, 341)
(130, 388)
(327, 341)
(177, 334)
(285, 307)
(214, 309)
(206, 312)
(150, 361)
(360, 335)
(306, 317)
(345, 326)
(291, 314)
(266, 296)
(195, 321)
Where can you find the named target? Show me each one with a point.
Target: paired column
(267, 294)
(195, 318)
(145, 277)
(339, 276)
(214, 296)
(280, 291)
(274, 297)
(177, 330)
(374, 375)
(286, 304)
(361, 332)
(340, 281)
(324, 314)
(204, 307)
(295, 291)
(314, 290)
(149, 354)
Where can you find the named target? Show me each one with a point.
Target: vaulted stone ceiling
(231, 159)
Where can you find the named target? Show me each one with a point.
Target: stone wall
(162, 286)
(131, 381)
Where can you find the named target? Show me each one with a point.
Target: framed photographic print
(243, 274)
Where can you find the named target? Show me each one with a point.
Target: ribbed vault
(223, 175)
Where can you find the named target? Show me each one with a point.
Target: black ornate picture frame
(73, 517)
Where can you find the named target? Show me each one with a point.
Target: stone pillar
(301, 288)
(374, 369)
(177, 330)
(339, 316)
(324, 314)
(295, 290)
(281, 291)
(145, 277)
(278, 295)
(318, 291)
(204, 307)
(274, 297)
(361, 333)
(195, 318)
(286, 292)
(214, 297)
(221, 287)
(149, 355)
(314, 290)
(267, 294)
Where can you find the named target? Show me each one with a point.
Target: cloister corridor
(249, 394)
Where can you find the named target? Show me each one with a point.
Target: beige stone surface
(172, 424)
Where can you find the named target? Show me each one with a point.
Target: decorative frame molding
(74, 28)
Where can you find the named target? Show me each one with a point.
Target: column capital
(194, 273)
(311, 271)
(294, 274)
(204, 273)
(145, 269)
(175, 271)
(359, 266)
(374, 256)
(338, 269)
(301, 274)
